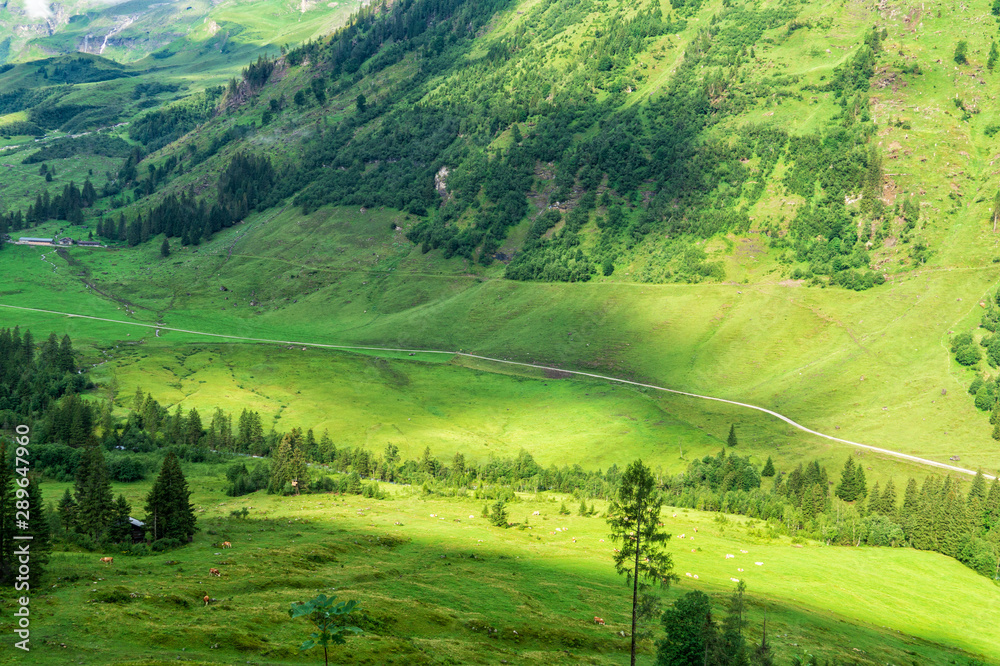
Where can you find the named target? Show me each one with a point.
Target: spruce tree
(860, 487)
(280, 467)
(176, 428)
(768, 468)
(731, 441)
(875, 499)
(298, 470)
(978, 489)
(120, 530)
(168, 507)
(193, 431)
(731, 648)
(846, 490)
(991, 508)
(67, 510)
(951, 523)
(66, 361)
(93, 494)
(7, 485)
(39, 530)
(911, 505)
(691, 633)
(923, 535)
(888, 504)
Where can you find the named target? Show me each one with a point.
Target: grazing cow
(537, 513)
(696, 576)
(471, 516)
(760, 564)
(107, 560)
(729, 557)
(742, 551)
(214, 572)
(696, 529)
(735, 580)
(207, 599)
(740, 570)
(598, 620)
(688, 575)
(226, 544)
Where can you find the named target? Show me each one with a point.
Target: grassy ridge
(424, 594)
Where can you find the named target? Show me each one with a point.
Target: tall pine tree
(93, 494)
(169, 514)
(846, 489)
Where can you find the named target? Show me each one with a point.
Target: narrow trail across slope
(157, 328)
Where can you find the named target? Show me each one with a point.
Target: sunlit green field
(870, 367)
(430, 579)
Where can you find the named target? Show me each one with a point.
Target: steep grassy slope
(430, 580)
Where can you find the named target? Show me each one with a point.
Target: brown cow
(598, 620)
(207, 599)
(226, 544)
(107, 560)
(214, 572)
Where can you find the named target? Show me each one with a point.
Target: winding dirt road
(158, 328)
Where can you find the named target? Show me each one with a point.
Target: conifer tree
(138, 400)
(951, 523)
(768, 468)
(176, 426)
(991, 508)
(846, 489)
(168, 507)
(67, 510)
(731, 441)
(633, 517)
(93, 494)
(911, 505)
(165, 248)
(66, 362)
(298, 470)
(120, 530)
(38, 530)
(731, 648)
(193, 431)
(279, 466)
(888, 504)
(860, 487)
(978, 489)
(6, 517)
(924, 534)
(875, 499)
(582, 511)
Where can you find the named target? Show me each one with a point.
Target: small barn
(89, 243)
(138, 530)
(27, 240)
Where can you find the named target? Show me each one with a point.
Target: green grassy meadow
(870, 367)
(430, 579)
